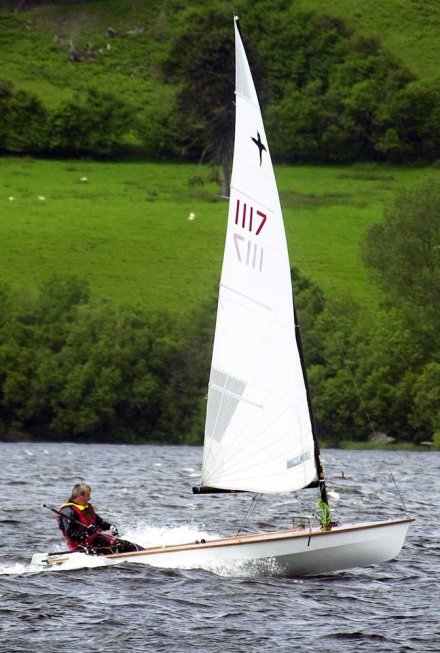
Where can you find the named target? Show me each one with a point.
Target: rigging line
(330, 321)
(399, 493)
(339, 346)
(294, 513)
(292, 508)
(253, 504)
(310, 517)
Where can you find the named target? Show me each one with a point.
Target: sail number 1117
(248, 252)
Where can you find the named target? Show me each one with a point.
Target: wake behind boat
(259, 433)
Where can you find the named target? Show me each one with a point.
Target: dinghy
(260, 435)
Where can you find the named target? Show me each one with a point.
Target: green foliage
(23, 120)
(426, 415)
(330, 91)
(157, 131)
(73, 366)
(363, 368)
(335, 96)
(386, 363)
(404, 252)
(392, 355)
(96, 126)
(407, 28)
(80, 369)
(411, 123)
(309, 303)
(185, 408)
(336, 401)
(110, 365)
(370, 366)
(201, 61)
(327, 101)
(77, 368)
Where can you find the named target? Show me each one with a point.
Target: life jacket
(83, 514)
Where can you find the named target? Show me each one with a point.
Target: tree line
(380, 370)
(329, 94)
(75, 367)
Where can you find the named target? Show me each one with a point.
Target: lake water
(146, 490)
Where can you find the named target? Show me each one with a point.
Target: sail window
(299, 460)
(225, 393)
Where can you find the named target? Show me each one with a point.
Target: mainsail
(258, 434)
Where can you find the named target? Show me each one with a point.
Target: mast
(319, 468)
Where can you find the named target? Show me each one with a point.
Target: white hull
(304, 552)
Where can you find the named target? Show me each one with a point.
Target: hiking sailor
(83, 528)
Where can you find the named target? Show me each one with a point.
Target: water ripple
(136, 608)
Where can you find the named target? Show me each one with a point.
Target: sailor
(83, 528)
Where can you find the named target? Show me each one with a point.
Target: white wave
(14, 569)
(150, 536)
(334, 495)
(72, 561)
(147, 535)
(243, 568)
(81, 561)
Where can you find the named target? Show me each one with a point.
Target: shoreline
(343, 444)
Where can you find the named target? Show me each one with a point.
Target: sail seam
(242, 294)
(234, 395)
(266, 207)
(253, 103)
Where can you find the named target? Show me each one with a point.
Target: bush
(96, 125)
(24, 121)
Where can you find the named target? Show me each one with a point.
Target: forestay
(258, 434)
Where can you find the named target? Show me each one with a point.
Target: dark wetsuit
(73, 523)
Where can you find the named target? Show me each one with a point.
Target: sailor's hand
(91, 529)
(114, 530)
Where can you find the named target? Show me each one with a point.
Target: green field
(126, 228)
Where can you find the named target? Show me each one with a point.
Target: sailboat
(259, 434)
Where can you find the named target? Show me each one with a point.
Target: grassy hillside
(410, 29)
(35, 49)
(126, 228)
(35, 45)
